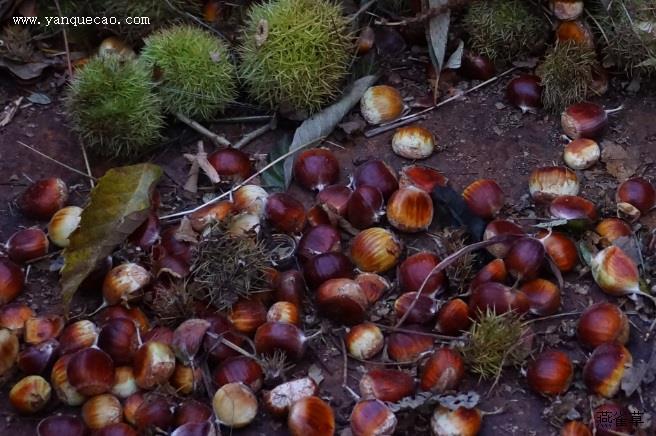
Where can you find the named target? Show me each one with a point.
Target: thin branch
(68, 167)
(414, 117)
(249, 119)
(86, 164)
(68, 52)
(271, 125)
(214, 137)
(427, 14)
(245, 182)
(359, 12)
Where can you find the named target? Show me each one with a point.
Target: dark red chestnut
(424, 309)
(407, 346)
(372, 417)
(91, 372)
(422, 177)
(61, 425)
(378, 174)
(543, 296)
(239, 369)
(443, 371)
(155, 412)
(373, 285)
(231, 164)
(247, 315)
(414, 270)
(272, 336)
(192, 411)
(327, 266)
(37, 359)
(117, 429)
(342, 300)
(501, 228)
(290, 286)
(611, 419)
(484, 198)
(27, 244)
(585, 120)
(335, 198)
(525, 259)
(318, 240)
(365, 207)
(497, 297)
(43, 198)
(316, 168)
(11, 280)
(637, 192)
(605, 369)
(220, 327)
(525, 92)
(453, 317)
(477, 67)
(603, 322)
(573, 207)
(119, 339)
(285, 213)
(550, 373)
(386, 385)
(147, 234)
(560, 248)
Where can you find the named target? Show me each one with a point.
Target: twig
(271, 125)
(427, 14)
(413, 117)
(250, 119)
(448, 261)
(68, 167)
(68, 52)
(558, 315)
(432, 335)
(86, 164)
(214, 137)
(245, 182)
(362, 9)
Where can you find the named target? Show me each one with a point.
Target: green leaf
(119, 204)
(274, 178)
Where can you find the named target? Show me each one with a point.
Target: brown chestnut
(550, 373)
(560, 248)
(410, 210)
(407, 346)
(387, 385)
(372, 417)
(27, 244)
(375, 250)
(525, 259)
(378, 174)
(525, 92)
(602, 322)
(272, 336)
(43, 198)
(637, 192)
(365, 207)
(311, 416)
(30, 394)
(279, 399)
(443, 371)
(423, 312)
(501, 228)
(364, 341)
(543, 296)
(231, 164)
(453, 317)
(422, 177)
(585, 120)
(316, 168)
(415, 269)
(285, 213)
(119, 339)
(240, 369)
(91, 372)
(58, 425)
(342, 300)
(318, 240)
(605, 368)
(11, 280)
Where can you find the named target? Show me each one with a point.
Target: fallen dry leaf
(620, 162)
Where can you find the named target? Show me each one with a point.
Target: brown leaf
(620, 162)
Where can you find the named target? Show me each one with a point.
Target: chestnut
(423, 312)
(235, 405)
(58, 425)
(91, 372)
(118, 338)
(406, 346)
(484, 198)
(342, 300)
(386, 385)
(566, 10)
(154, 363)
(11, 280)
(30, 394)
(244, 224)
(422, 177)
(615, 272)
(186, 379)
(460, 422)
(585, 120)
(476, 66)
(272, 336)
(501, 228)
(560, 248)
(543, 296)
(278, 400)
(125, 384)
(239, 369)
(443, 371)
(572, 207)
(605, 368)
(220, 327)
(290, 286)
(284, 311)
(13, 317)
(365, 41)
(285, 213)
(156, 412)
(317, 215)
(373, 285)
(311, 416)
(525, 92)
(335, 198)
(101, 411)
(575, 428)
(38, 358)
(124, 283)
(188, 338)
(231, 164)
(364, 341)
(603, 426)
(8, 351)
(381, 104)
(413, 142)
(410, 210)
(131, 405)
(27, 244)
(250, 199)
(547, 183)
(581, 153)
(43, 198)
(212, 213)
(117, 429)
(494, 271)
(378, 174)
(602, 322)
(375, 250)
(247, 315)
(316, 168)
(192, 411)
(611, 229)
(453, 317)
(550, 373)
(415, 269)
(41, 328)
(637, 192)
(365, 207)
(318, 240)
(497, 297)
(525, 259)
(147, 234)
(372, 417)
(81, 334)
(66, 393)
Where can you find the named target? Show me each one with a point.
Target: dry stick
(86, 164)
(214, 137)
(250, 119)
(360, 11)
(427, 14)
(345, 374)
(56, 161)
(448, 261)
(68, 52)
(413, 332)
(413, 117)
(245, 182)
(558, 315)
(271, 125)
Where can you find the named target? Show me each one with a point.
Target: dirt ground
(480, 136)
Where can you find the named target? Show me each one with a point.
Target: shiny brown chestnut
(58, 425)
(284, 311)
(131, 405)
(573, 207)
(27, 244)
(318, 240)
(30, 394)
(327, 266)
(547, 183)
(422, 177)
(381, 104)
(81, 334)
(231, 164)
(365, 207)
(443, 371)
(407, 346)
(11, 280)
(247, 315)
(240, 369)
(14, 315)
(611, 427)
(560, 248)
(378, 174)
(188, 338)
(43, 198)
(602, 322)
(373, 285)
(101, 411)
(192, 411)
(147, 234)
(9, 347)
(125, 384)
(410, 210)
(38, 358)
(414, 270)
(543, 296)
(66, 393)
(550, 373)
(372, 417)
(525, 259)
(278, 400)
(484, 198)
(212, 213)
(453, 317)
(290, 286)
(41, 328)
(119, 339)
(316, 168)
(461, 421)
(423, 312)
(477, 66)
(91, 372)
(575, 428)
(638, 192)
(272, 336)
(235, 405)
(375, 250)
(525, 92)
(156, 412)
(498, 298)
(154, 363)
(605, 369)
(585, 120)
(311, 416)
(285, 213)
(611, 229)
(342, 300)
(494, 271)
(124, 283)
(335, 198)
(386, 385)
(364, 341)
(501, 228)
(220, 327)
